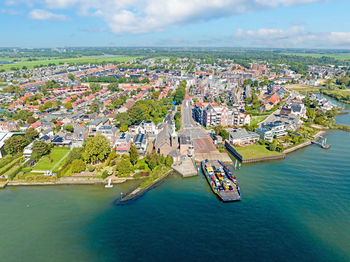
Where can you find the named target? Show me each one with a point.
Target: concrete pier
(185, 167)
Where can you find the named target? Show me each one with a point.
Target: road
(189, 126)
(201, 140)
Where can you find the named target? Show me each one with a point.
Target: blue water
(297, 209)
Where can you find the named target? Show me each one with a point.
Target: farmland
(338, 56)
(58, 61)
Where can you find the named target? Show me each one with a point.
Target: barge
(221, 180)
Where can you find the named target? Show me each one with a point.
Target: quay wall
(290, 150)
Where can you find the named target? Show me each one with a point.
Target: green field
(56, 155)
(80, 60)
(340, 56)
(255, 151)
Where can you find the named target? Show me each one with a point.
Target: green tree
(69, 128)
(40, 149)
(68, 105)
(30, 135)
(74, 154)
(96, 148)
(124, 128)
(272, 147)
(138, 113)
(41, 108)
(48, 105)
(155, 95)
(180, 92)
(152, 160)
(78, 166)
(113, 87)
(31, 120)
(124, 167)
(71, 77)
(94, 107)
(14, 144)
(311, 113)
(134, 155)
(123, 119)
(169, 161)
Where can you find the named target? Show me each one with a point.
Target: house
(265, 134)
(140, 141)
(8, 126)
(37, 126)
(296, 108)
(95, 124)
(123, 143)
(60, 141)
(271, 101)
(108, 131)
(242, 137)
(270, 130)
(149, 127)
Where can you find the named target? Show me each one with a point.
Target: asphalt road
(189, 126)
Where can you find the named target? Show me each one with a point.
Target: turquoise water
(292, 210)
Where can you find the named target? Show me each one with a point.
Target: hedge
(10, 165)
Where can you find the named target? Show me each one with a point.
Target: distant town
(141, 118)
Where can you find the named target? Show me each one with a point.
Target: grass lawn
(56, 154)
(255, 151)
(257, 119)
(303, 88)
(80, 60)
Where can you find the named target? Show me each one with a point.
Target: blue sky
(236, 23)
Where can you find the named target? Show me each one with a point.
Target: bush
(124, 167)
(104, 174)
(78, 166)
(6, 160)
(91, 168)
(14, 173)
(272, 147)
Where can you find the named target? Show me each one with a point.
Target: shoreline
(67, 181)
(140, 191)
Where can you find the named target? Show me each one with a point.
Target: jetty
(322, 143)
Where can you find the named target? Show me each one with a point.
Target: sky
(193, 23)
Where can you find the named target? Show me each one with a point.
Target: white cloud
(145, 16)
(296, 36)
(40, 14)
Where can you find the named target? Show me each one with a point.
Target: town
(141, 118)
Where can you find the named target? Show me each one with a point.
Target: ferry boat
(221, 180)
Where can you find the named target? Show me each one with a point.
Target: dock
(185, 167)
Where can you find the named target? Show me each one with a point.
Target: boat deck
(225, 195)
